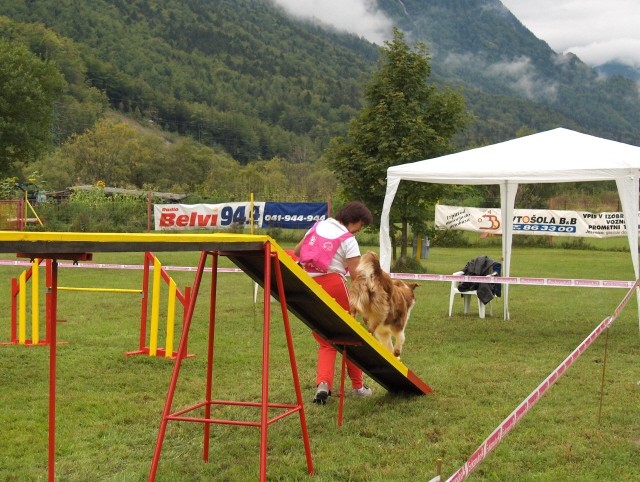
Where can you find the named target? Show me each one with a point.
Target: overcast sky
(594, 30)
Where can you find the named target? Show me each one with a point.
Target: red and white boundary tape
(510, 422)
(581, 283)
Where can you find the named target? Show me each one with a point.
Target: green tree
(405, 119)
(28, 89)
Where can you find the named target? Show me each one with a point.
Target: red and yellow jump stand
(151, 325)
(19, 307)
(19, 292)
(29, 283)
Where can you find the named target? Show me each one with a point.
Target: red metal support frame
(342, 346)
(264, 405)
(52, 336)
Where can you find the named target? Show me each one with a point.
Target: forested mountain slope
(243, 75)
(238, 73)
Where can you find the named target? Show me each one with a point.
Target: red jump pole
(144, 303)
(14, 310)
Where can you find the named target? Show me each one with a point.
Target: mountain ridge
(491, 50)
(247, 77)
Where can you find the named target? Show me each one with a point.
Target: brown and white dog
(384, 303)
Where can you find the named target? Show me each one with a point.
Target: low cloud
(519, 74)
(360, 17)
(623, 50)
(594, 30)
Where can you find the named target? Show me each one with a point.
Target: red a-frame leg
(264, 404)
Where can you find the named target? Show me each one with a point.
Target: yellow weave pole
(155, 307)
(99, 290)
(251, 213)
(35, 307)
(22, 309)
(171, 318)
(33, 211)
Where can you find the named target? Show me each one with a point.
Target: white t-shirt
(332, 229)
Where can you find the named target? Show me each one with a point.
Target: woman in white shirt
(346, 256)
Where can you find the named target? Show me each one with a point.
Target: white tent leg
(507, 201)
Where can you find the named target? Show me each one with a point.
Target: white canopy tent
(558, 155)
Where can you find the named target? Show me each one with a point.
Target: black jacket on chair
(482, 266)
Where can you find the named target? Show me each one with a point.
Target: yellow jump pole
(33, 211)
(155, 307)
(22, 309)
(99, 290)
(171, 317)
(35, 308)
(251, 213)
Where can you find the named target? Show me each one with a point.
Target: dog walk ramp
(320, 312)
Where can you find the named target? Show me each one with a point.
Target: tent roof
(558, 155)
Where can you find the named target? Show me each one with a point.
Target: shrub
(407, 264)
(92, 211)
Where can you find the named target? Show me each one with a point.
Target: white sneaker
(364, 391)
(322, 393)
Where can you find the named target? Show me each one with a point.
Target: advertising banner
(237, 215)
(293, 215)
(544, 222)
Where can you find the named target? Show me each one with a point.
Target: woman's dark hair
(353, 212)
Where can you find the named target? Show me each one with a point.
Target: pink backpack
(317, 252)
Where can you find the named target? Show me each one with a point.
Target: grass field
(109, 405)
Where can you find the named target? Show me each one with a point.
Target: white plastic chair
(466, 297)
